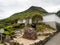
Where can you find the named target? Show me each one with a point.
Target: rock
(30, 33)
(7, 38)
(14, 43)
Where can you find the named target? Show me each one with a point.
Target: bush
(15, 26)
(2, 26)
(22, 26)
(8, 30)
(14, 43)
(39, 27)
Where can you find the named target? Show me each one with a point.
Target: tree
(37, 18)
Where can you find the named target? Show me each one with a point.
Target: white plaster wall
(30, 21)
(51, 17)
(48, 18)
(21, 21)
(24, 21)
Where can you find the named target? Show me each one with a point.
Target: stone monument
(30, 33)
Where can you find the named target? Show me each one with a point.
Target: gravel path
(1, 44)
(55, 40)
(28, 42)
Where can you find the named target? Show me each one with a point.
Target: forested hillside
(21, 15)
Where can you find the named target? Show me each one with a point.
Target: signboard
(1, 30)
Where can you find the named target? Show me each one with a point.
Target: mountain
(37, 8)
(27, 13)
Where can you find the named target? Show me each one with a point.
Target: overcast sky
(9, 7)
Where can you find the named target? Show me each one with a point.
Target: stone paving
(55, 40)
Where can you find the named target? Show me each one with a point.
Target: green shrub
(2, 26)
(8, 30)
(40, 27)
(15, 26)
(29, 25)
(8, 27)
(22, 25)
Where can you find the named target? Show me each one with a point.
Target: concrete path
(55, 40)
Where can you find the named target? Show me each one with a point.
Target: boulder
(7, 38)
(30, 33)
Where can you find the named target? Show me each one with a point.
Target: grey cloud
(1, 11)
(55, 2)
(12, 6)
